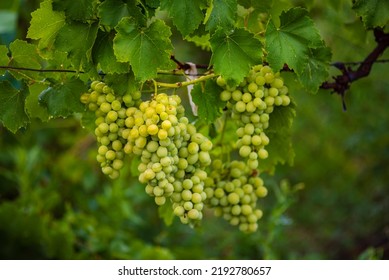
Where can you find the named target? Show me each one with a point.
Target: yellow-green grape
(251, 104)
(172, 153)
(233, 191)
(110, 112)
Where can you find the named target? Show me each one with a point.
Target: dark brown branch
(342, 82)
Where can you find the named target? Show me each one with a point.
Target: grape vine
(114, 69)
(174, 156)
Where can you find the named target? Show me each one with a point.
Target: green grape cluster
(232, 191)
(251, 104)
(173, 154)
(110, 112)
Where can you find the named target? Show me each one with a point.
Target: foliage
(62, 207)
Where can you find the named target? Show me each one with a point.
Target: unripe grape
(220, 81)
(233, 198)
(236, 95)
(244, 151)
(225, 95)
(252, 87)
(240, 106)
(179, 211)
(263, 154)
(193, 214)
(160, 200)
(277, 83)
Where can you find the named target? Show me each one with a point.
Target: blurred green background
(333, 203)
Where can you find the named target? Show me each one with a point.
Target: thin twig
(40, 70)
(184, 84)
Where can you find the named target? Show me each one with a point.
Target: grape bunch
(173, 154)
(232, 191)
(110, 112)
(251, 104)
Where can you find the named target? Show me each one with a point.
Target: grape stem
(187, 83)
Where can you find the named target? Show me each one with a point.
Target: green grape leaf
(233, 54)
(77, 40)
(81, 10)
(294, 43)
(260, 6)
(33, 107)
(153, 3)
(222, 15)
(185, 14)
(24, 55)
(112, 11)
(63, 99)
(279, 132)
(4, 59)
(12, 111)
(134, 163)
(374, 13)
(146, 49)
(165, 212)
(122, 83)
(291, 41)
(103, 55)
(316, 69)
(200, 41)
(51, 21)
(207, 100)
(88, 120)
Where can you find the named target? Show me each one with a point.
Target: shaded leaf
(63, 99)
(112, 11)
(81, 10)
(4, 59)
(88, 120)
(207, 99)
(103, 54)
(77, 40)
(122, 83)
(259, 6)
(33, 106)
(316, 70)
(165, 212)
(279, 132)
(12, 112)
(374, 13)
